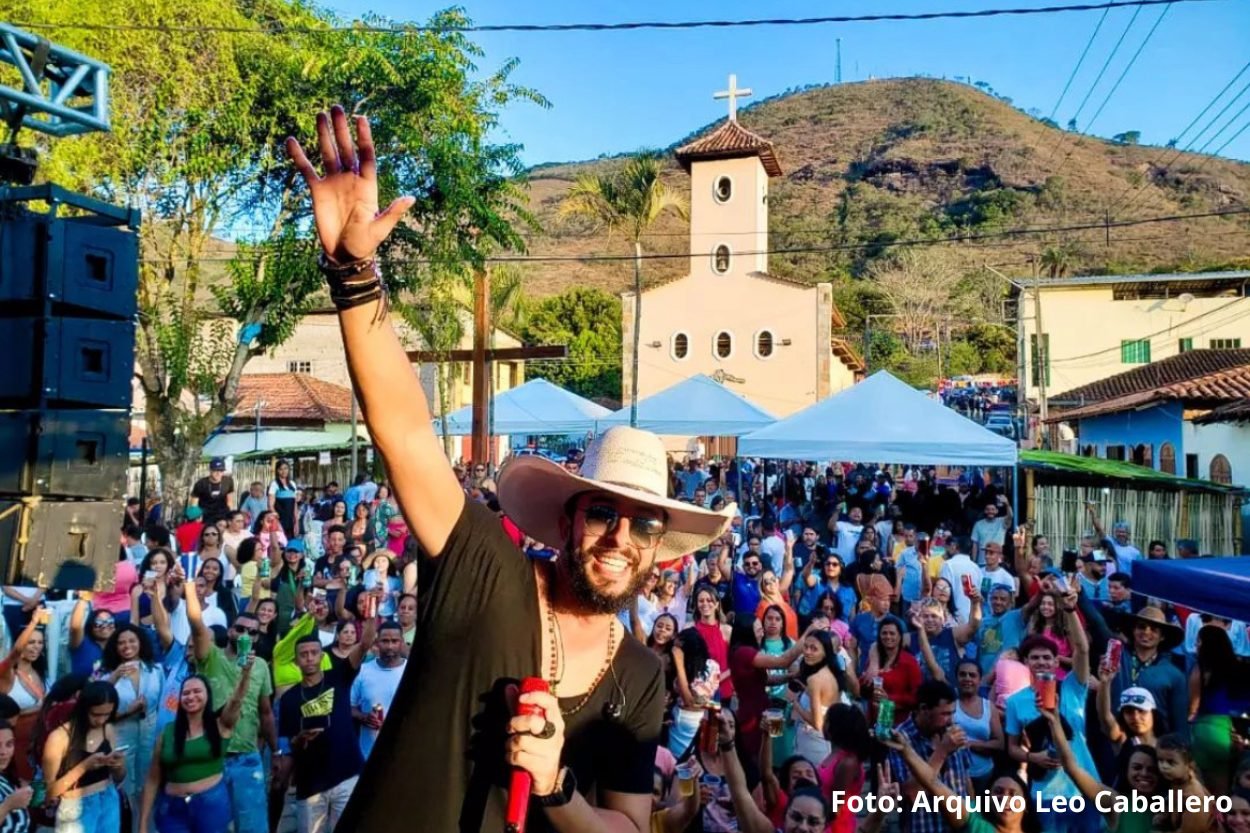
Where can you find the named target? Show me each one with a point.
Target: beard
(590, 597)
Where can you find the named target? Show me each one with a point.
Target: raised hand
(345, 199)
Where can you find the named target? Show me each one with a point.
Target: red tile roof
(292, 397)
(728, 141)
(1228, 384)
(844, 350)
(1238, 411)
(1149, 377)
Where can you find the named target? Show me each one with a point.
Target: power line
(1227, 125)
(1176, 149)
(1105, 225)
(1165, 330)
(276, 28)
(1128, 66)
(1101, 72)
(1079, 62)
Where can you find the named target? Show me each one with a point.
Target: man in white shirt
(1119, 544)
(958, 565)
(212, 615)
(848, 534)
(996, 572)
(376, 684)
(773, 547)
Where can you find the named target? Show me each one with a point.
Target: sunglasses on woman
(604, 520)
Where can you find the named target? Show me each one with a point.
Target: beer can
(966, 580)
(1115, 649)
(371, 606)
(378, 711)
(244, 647)
(922, 543)
(264, 568)
(884, 727)
(1048, 690)
(709, 737)
(878, 682)
(986, 583)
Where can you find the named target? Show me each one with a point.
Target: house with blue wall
(1185, 415)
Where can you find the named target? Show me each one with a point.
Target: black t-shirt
(335, 754)
(212, 497)
(445, 732)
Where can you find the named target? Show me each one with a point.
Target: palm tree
(632, 199)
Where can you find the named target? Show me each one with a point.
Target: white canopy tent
(881, 419)
(696, 407)
(534, 408)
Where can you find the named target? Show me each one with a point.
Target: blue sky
(620, 91)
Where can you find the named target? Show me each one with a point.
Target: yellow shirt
(247, 574)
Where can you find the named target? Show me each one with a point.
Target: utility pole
(837, 73)
(1042, 358)
(633, 380)
(481, 382)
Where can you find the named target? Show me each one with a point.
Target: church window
(720, 259)
(722, 189)
(764, 344)
(681, 345)
(724, 346)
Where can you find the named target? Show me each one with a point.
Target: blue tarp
(534, 408)
(1219, 586)
(697, 407)
(880, 420)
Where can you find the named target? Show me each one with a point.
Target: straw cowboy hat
(533, 491)
(1171, 635)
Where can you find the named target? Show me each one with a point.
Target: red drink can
(967, 582)
(709, 732)
(1048, 691)
(371, 606)
(1115, 649)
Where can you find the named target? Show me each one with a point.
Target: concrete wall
(1230, 439)
(1151, 427)
(1086, 327)
(745, 214)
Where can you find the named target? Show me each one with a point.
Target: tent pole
(1015, 493)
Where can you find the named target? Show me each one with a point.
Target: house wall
(1151, 427)
(1230, 439)
(1086, 327)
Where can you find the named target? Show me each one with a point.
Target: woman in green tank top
(184, 783)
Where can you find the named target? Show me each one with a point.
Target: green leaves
(588, 321)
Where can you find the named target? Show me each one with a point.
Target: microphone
(519, 788)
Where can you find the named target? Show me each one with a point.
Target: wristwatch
(566, 787)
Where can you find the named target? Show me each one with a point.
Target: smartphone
(1068, 563)
(120, 749)
(319, 593)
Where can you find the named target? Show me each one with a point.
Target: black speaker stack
(68, 292)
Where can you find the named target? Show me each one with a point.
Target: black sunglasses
(604, 520)
(239, 629)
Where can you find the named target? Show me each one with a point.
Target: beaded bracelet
(354, 284)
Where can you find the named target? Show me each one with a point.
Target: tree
(436, 318)
(1128, 137)
(199, 112)
(919, 285)
(588, 321)
(1058, 260)
(632, 199)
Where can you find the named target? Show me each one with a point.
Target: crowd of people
(256, 648)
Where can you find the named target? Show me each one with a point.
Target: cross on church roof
(733, 94)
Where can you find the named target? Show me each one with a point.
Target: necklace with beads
(557, 661)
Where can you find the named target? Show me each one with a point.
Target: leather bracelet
(343, 271)
(725, 745)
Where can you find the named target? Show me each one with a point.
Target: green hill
(873, 162)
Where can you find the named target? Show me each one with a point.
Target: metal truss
(63, 93)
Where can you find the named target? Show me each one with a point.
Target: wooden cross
(482, 356)
(733, 94)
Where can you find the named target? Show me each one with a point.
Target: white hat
(1138, 698)
(533, 491)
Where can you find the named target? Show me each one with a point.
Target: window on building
(1191, 466)
(1225, 344)
(1184, 345)
(1035, 366)
(681, 346)
(466, 373)
(1135, 351)
(764, 344)
(1221, 470)
(724, 345)
(1115, 452)
(299, 367)
(1143, 455)
(720, 259)
(1167, 459)
(1089, 451)
(723, 189)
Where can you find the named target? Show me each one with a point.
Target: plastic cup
(773, 722)
(685, 778)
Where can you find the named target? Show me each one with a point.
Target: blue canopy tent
(696, 407)
(1219, 586)
(534, 408)
(881, 419)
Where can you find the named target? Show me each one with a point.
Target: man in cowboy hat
(1147, 664)
(493, 617)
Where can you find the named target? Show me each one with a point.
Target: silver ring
(548, 732)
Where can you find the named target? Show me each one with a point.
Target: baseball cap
(294, 545)
(217, 464)
(1137, 698)
(194, 513)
